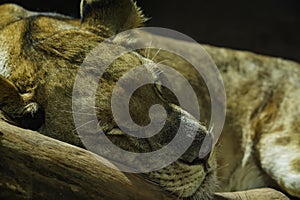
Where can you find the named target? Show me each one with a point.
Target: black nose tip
(206, 147)
(204, 153)
(203, 161)
(199, 153)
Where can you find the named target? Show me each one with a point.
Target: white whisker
(87, 105)
(84, 124)
(81, 113)
(148, 49)
(180, 195)
(160, 62)
(158, 51)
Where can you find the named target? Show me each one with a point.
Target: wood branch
(263, 193)
(33, 166)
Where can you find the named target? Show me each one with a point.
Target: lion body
(262, 116)
(40, 55)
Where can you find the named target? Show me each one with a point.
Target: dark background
(270, 27)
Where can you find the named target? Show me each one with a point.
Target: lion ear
(116, 15)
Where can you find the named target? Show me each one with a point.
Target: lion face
(40, 57)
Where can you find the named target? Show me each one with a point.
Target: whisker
(160, 62)
(89, 106)
(84, 124)
(158, 51)
(211, 128)
(148, 49)
(156, 70)
(148, 179)
(180, 195)
(73, 112)
(155, 65)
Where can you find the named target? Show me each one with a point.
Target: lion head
(40, 55)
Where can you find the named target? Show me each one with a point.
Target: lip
(207, 180)
(204, 162)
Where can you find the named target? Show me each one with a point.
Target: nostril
(200, 150)
(202, 161)
(206, 147)
(205, 152)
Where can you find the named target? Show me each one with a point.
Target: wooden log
(255, 194)
(33, 166)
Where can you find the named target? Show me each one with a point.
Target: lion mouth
(205, 188)
(186, 181)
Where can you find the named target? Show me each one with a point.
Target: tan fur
(42, 53)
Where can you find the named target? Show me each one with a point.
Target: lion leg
(18, 107)
(279, 155)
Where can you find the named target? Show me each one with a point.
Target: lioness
(40, 54)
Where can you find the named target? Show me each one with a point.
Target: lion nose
(203, 161)
(200, 150)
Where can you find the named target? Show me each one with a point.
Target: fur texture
(40, 56)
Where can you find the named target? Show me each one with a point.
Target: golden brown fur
(40, 55)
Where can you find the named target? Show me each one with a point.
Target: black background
(270, 27)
